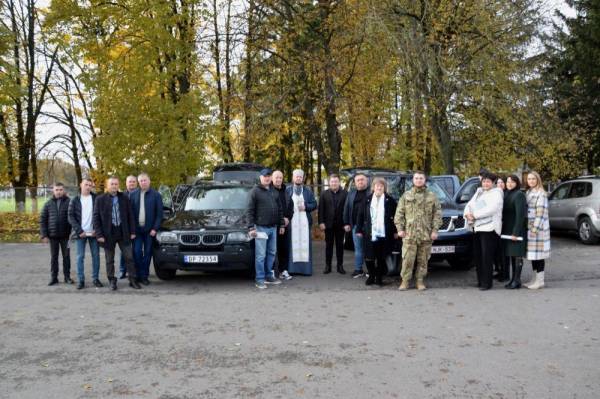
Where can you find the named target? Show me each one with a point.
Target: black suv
(207, 232)
(454, 243)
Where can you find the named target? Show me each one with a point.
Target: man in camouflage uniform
(418, 218)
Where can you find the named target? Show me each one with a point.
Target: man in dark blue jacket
(147, 208)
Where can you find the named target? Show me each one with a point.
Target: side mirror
(168, 212)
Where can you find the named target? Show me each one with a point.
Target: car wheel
(586, 232)
(164, 274)
(461, 263)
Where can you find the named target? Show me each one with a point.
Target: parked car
(454, 243)
(450, 183)
(208, 231)
(575, 205)
(467, 191)
(238, 172)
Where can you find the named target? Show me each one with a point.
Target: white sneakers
(285, 275)
(538, 282)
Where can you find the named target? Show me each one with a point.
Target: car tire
(164, 274)
(586, 232)
(461, 263)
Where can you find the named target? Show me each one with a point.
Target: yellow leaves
(19, 227)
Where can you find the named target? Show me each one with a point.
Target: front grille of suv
(192, 239)
(459, 223)
(189, 239)
(213, 239)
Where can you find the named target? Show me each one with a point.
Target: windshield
(436, 188)
(393, 182)
(397, 185)
(217, 198)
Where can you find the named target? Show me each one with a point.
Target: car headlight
(238, 236)
(167, 237)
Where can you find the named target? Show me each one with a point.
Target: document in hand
(260, 235)
(507, 237)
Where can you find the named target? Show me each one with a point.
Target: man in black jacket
(282, 239)
(114, 224)
(354, 207)
(331, 220)
(55, 229)
(131, 186)
(81, 213)
(265, 220)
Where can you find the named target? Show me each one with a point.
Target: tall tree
(148, 108)
(573, 74)
(26, 93)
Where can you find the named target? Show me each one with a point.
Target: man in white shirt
(81, 210)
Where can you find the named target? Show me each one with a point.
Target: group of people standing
(280, 221)
(509, 225)
(128, 219)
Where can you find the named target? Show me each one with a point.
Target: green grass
(8, 205)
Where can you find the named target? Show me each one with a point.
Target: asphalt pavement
(325, 336)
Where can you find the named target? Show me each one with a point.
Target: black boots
(370, 272)
(340, 269)
(53, 281)
(134, 284)
(327, 269)
(517, 267)
(113, 284)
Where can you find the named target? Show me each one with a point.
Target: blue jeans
(80, 243)
(264, 253)
(358, 250)
(142, 254)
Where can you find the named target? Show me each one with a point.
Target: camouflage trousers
(415, 254)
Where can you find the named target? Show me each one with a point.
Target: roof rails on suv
(238, 172)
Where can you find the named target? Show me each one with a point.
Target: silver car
(575, 205)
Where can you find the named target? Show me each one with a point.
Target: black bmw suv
(206, 227)
(454, 243)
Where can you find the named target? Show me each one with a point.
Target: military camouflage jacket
(419, 213)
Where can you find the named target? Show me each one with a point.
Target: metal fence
(43, 193)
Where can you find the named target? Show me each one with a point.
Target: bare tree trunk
(225, 143)
(439, 117)
(407, 107)
(248, 84)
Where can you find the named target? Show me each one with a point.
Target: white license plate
(201, 259)
(443, 249)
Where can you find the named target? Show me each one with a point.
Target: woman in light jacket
(538, 237)
(484, 214)
(514, 224)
